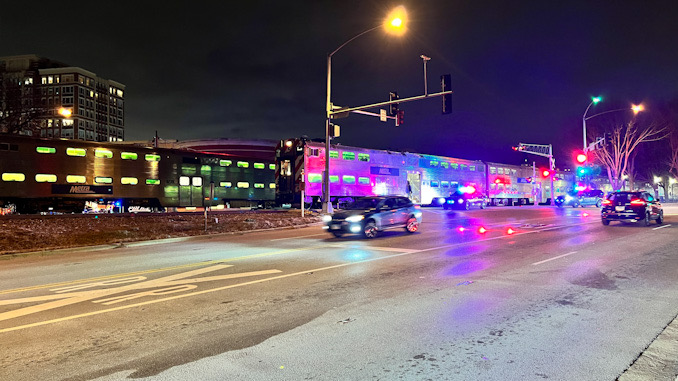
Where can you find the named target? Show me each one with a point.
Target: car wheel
(370, 229)
(605, 222)
(483, 205)
(338, 234)
(599, 203)
(646, 221)
(660, 217)
(412, 225)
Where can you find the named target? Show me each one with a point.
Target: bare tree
(20, 109)
(624, 139)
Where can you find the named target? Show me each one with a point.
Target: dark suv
(370, 215)
(582, 198)
(463, 200)
(631, 207)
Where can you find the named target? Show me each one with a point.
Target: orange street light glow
(637, 108)
(65, 112)
(395, 22)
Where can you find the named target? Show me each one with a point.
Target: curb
(659, 361)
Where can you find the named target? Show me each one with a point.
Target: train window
(493, 170)
(76, 152)
(205, 169)
(196, 181)
(45, 178)
(472, 168)
(129, 181)
(128, 155)
(445, 165)
(463, 167)
(271, 167)
(225, 163)
(271, 185)
(434, 184)
(259, 166)
(433, 163)
(99, 152)
(103, 180)
(243, 184)
(334, 179)
(4, 147)
(13, 177)
(45, 149)
(259, 185)
(346, 179)
(225, 184)
(243, 164)
(500, 171)
(152, 182)
(454, 165)
(445, 184)
(314, 178)
(364, 180)
(313, 151)
(285, 168)
(334, 154)
(363, 157)
(348, 155)
(184, 181)
(507, 171)
(76, 179)
(152, 157)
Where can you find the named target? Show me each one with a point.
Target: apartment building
(47, 98)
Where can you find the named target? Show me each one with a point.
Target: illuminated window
(99, 152)
(363, 157)
(225, 163)
(243, 184)
(334, 154)
(433, 163)
(152, 157)
(45, 178)
(103, 180)
(206, 169)
(225, 184)
(493, 170)
(472, 168)
(152, 182)
(500, 171)
(45, 150)
(196, 181)
(364, 180)
(313, 151)
(259, 166)
(128, 155)
(445, 165)
(348, 179)
(76, 152)
(129, 181)
(184, 180)
(271, 185)
(334, 179)
(243, 164)
(445, 184)
(434, 184)
(271, 167)
(463, 167)
(315, 178)
(454, 165)
(75, 179)
(348, 155)
(259, 185)
(13, 177)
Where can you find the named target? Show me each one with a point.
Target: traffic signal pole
(541, 150)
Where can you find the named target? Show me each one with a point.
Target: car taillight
(607, 202)
(637, 201)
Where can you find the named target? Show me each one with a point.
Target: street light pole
(594, 101)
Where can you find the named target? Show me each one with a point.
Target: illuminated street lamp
(65, 112)
(394, 23)
(595, 100)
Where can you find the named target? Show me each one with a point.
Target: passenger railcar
(38, 175)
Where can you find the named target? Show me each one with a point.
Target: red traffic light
(581, 158)
(546, 173)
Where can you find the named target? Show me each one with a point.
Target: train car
(510, 184)
(425, 179)
(60, 175)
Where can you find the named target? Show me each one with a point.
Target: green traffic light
(595, 100)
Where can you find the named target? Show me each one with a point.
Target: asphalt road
(560, 298)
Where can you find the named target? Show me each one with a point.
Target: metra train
(426, 179)
(44, 175)
(59, 175)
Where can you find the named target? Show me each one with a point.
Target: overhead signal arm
(541, 150)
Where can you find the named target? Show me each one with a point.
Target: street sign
(382, 115)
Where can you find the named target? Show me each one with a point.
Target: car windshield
(623, 196)
(364, 203)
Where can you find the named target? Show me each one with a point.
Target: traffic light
(607, 139)
(445, 85)
(545, 173)
(400, 118)
(581, 158)
(528, 179)
(334, 130)
(393, 107)
(581, 171)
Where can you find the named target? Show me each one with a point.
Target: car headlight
(568, 198)
(327, 218)
(355, 218)
(460, 200)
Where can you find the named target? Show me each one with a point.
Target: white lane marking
(302, 236)
(662, 227)
(393, 249)
(554, 258)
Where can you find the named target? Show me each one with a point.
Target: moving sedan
(631, 207)
(370, 215)
(465, 200)
(589, 197)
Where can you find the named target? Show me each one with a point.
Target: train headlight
(355, 218)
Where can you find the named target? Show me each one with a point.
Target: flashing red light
(581, 158)
(497, 181)
(461, 229)
(482, 230)
(607, 202)
(585, 214)
(637, 201)
(510, 231)
(546, 173)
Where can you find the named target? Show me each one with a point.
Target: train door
(414, 187)
(285, 182)
(190, 191)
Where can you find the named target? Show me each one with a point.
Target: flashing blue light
(117, 203)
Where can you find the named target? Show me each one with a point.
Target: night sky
(522, 71)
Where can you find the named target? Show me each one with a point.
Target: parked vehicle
(590, 197)
(370, 215)
(631, 207)
(466, 200)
